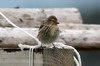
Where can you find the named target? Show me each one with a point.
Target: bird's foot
(54, 47)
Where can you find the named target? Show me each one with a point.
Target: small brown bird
(49, 31)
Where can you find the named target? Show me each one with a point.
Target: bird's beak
(57, 22)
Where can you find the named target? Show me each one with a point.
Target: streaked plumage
(48, 31)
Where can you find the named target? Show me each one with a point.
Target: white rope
(75, 60)
(29, 56)
(78, 62)
(32, 57)
(78, 56)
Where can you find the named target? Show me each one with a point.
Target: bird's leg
(53, 45)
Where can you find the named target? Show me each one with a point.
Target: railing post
(54, 57)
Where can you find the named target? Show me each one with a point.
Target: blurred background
(89, 9)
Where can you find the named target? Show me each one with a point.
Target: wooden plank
(58, 57)
(48, 57)
(34, 17)
(14, 58)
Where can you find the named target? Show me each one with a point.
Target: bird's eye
(53, 21)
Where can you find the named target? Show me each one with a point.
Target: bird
(48, 31)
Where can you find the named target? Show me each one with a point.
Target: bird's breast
(54, 30)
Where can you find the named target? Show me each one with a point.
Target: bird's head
(52, 20)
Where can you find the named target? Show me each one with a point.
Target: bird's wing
(41, 26)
